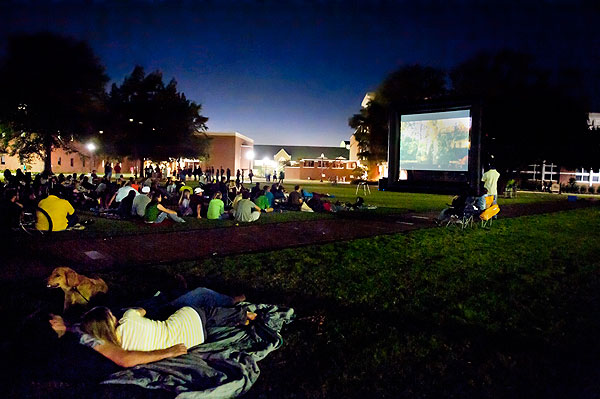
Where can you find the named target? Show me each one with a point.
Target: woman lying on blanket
(134, 339)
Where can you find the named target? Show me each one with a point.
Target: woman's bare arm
(126, 358)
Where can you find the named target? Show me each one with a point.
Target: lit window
(3, 159)
(582, 175)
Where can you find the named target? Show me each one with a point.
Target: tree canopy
(408, 85)
(148, 119)
(528, 115)
(52, 89)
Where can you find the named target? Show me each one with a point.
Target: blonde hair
(98, 322)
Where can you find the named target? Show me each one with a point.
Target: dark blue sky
(294, 73)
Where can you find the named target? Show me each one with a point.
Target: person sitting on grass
(124, 191)
(216, 208)
(269, 195)
(197, 203)
(278, 193)
(263, 202)
(156, 212)
(295, 199)
(184, 203)
(246, 210)
(255, 192)
(140, 202)
(125, 206)
(236, 200)
(170, 187)
(61, 212)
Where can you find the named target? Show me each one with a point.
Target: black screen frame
(434, 181)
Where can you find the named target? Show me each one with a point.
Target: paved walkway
(113, 252)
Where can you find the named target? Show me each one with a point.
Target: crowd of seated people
(147, 198)
(56, 195)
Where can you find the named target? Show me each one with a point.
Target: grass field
(507, 312)
(386, 202)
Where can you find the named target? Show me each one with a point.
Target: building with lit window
(305, 162)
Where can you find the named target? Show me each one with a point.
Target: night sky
(294, 72)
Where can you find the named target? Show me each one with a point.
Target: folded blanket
(223, 367)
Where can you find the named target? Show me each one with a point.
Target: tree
(371, 131)
(527, 116)
(149, 119)
(52, 88)
(407, 86)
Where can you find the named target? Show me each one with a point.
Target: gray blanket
(223, 367)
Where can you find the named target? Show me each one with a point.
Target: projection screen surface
(436, 141)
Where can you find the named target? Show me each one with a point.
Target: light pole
(91, 147)
(322, 157)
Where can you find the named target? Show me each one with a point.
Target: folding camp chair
(364, 186)
(488, 215)
(464, 219)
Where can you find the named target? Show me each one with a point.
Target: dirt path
(112, 252)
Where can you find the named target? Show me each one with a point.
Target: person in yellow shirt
(58, 209)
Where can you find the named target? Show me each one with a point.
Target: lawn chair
(487, 216)
(463, 218)
(365, 187)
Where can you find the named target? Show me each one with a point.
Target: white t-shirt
(122, 193)
(244, 211)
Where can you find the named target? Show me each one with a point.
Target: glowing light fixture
(91, 146)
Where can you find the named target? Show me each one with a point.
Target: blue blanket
(223, 367)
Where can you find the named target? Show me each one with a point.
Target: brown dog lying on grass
(78, 289)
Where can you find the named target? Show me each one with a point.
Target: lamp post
(250, 158)
(91, 147)
(322, 157)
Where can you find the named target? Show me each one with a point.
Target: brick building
(305, 162)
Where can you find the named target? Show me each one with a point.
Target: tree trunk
(48, 154)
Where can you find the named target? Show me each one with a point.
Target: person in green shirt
(263, 202)
(156, 212)
(216, 208)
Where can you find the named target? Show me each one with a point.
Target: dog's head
(63, 277)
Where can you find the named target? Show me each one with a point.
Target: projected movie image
(436, 141)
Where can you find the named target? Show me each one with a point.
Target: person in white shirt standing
(490, 181)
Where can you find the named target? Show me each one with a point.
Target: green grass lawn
(506, 312)
(387, 203)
